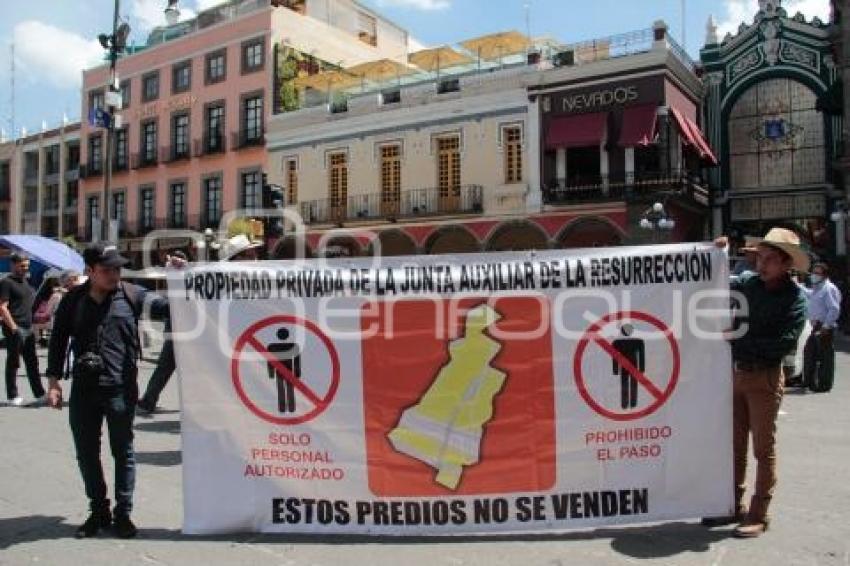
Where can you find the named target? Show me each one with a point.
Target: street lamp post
(839, 218)
(655, 218)
(115, 44)
(210, 243)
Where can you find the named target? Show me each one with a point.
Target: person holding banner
(237, 248)
(100, 320)
(768, 327)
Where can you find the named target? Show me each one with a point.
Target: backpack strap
(131, 296)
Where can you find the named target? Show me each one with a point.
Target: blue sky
(54, 39)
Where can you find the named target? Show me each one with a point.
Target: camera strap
(79, 317)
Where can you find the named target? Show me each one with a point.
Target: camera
(88, 367)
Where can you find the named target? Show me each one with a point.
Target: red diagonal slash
(627, 364)
(283, 372)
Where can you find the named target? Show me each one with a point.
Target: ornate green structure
(769, 112)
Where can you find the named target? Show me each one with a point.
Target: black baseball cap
(105, 254)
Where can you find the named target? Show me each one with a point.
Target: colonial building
(195, 102)
(499, 144)
(8, 179)
(42, 172)
(767, 112)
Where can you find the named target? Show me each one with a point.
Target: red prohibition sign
(592, 334)
(248, 338)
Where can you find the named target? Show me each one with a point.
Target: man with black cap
(100, 319)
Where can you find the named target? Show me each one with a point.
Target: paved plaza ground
(42, 502)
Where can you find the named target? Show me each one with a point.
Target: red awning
(705, 149)
(693, 136)
(583, 130)
(638, 125)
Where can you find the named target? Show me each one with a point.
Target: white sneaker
(17, 401)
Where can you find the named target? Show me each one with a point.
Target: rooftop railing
(541, 55)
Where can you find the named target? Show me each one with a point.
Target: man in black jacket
(100, 319)
(16, 305)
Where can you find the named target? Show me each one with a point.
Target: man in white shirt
(824, 309)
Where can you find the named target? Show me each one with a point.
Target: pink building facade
(189, 145)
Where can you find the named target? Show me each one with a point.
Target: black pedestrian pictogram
(288, 354)
(630, 362)
(633, 350)
(287, 357)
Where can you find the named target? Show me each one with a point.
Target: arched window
(776, 137)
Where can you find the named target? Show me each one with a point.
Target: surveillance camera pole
(110, 128)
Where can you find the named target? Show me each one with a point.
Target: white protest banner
(442, 395)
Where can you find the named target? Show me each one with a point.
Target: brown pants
(756, 396)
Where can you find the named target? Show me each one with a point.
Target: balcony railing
(209, 145)
(625, 186)
(92, 169)
(168, 154)
(120, 163)
(466, 199)
(243, 139)
(140, 160)
(50, 206)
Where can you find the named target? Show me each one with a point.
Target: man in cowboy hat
(240, 248)
(775, 315)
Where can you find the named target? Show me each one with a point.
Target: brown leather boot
(739, 517)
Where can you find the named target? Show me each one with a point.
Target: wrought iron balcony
(465, 199)
(625, 186)
(210, 144)
(176, 152)
(247, 138)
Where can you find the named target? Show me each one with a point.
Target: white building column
(841, 237)
(534, 196)
(604, 165)
(60, 211)
(630, 163)
(561, 164)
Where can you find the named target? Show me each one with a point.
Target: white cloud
(743, 11)
(427, 5)
(54, 55)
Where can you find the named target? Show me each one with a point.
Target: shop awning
(706, 152)
(638, 125)
(583, 130)
(693, 136)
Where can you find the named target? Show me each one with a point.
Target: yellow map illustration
(444, 429)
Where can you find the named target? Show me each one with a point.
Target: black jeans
(165, 366)
(21, 344)
(818, 363)
(88, 407)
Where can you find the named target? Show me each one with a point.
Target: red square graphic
(403, 353)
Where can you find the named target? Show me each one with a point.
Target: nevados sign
(600, 98)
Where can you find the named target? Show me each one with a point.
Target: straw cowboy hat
(236, 245)
(785, 240)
